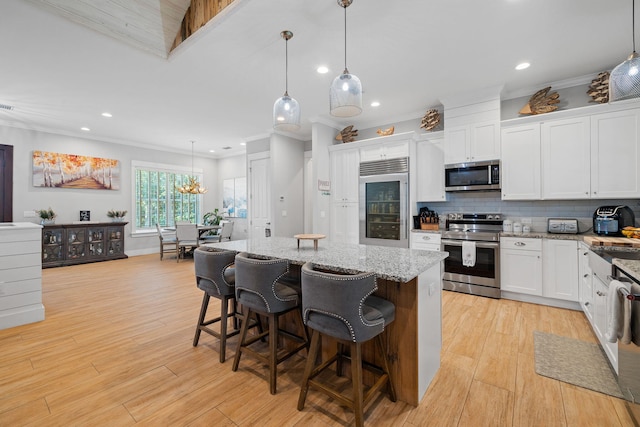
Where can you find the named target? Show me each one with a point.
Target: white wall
(68, 203)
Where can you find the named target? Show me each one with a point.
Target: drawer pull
(520, 244)
(426, 238)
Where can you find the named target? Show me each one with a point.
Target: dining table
(411, 279)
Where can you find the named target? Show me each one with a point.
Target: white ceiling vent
(6, 107)
(226, 148)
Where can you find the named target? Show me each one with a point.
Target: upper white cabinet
(615, 155)
(384, 151)
(472, 142)
(566, 159)
(430, 170)
(345, 174)
(520, 166)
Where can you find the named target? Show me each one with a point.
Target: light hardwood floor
(115, 349)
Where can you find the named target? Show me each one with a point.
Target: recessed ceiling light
(375, 104)
(243, 143)
(522, 66)
(212, 151)
(106, 114)
(322, 69)
(86, 129)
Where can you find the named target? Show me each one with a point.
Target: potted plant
(47, 216)
(116, 216)
(212, 218)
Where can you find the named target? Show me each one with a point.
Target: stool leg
(243, 333)
(224, 310)
(311, 360)
(385, 361)
(340, 359)
(203, 312)
(273, 351)
(358, 392)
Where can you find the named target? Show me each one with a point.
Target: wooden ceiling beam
(197, 15)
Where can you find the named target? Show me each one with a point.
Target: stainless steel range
(473, 243)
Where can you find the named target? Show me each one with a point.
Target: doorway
(259, 196)
(6, 183)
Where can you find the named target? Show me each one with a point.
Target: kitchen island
(411, 279)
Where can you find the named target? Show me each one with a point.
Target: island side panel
(429, 326)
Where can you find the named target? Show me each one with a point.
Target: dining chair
(168, 244)
(186, 236)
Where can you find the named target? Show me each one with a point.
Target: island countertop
(395, 264)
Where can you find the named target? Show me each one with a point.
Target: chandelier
(192, 186)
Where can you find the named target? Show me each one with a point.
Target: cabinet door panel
(345, 175)
(615, 154)
(521, 271)
(520, 166)
(485, 141)
(430, 171)
(566, 159)
(456, 144)
(560, 266)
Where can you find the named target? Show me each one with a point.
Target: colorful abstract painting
(57, 170)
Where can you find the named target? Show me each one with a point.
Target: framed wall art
(57, 170)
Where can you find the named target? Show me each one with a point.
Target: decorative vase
(117, 219)
(44, 221)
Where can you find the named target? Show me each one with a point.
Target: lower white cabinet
(425, 241)
(560, 269)
(600, 320)
(344, 223)
(585, 280)
(521, 265)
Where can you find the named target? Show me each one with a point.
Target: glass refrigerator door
(383, 210)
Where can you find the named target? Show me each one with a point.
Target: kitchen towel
(619, 309)
(468, 254)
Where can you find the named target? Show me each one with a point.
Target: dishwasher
(629, 355)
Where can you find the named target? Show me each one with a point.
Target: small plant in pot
(212, 218)
(116, 216)
(47, 216)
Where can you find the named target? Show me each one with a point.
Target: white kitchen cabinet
(560, 269)
(425, 241)
(520, 165)
(20, 274)
(615, 155)
(430, 170)
(566, 165)
(600, 320)
(521, 265)
(344, 223)
(585, 280)
(345, 175)
(384, 151)
(472, 142)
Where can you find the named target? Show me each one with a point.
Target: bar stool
(261, 294)
(215, 275)
(343, 307)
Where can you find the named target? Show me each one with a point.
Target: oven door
(485, 272)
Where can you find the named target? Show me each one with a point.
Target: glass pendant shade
(345, 96)
(624, 81)
(286, 114)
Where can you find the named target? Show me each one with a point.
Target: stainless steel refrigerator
(384, 202)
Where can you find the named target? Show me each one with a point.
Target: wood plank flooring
(115, 349)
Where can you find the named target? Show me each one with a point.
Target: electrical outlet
(526, 221)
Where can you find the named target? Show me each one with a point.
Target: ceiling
(218, 87)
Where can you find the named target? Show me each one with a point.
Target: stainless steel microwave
(473, 176)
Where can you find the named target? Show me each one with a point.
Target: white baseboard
(21, 316)
(534, 299)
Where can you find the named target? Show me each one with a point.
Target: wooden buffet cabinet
(69, 244)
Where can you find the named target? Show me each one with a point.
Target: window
(234, 197)
(156, 199)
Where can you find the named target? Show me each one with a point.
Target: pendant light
(192, 186)
(624, 81)
(345, 96)
(286, 110)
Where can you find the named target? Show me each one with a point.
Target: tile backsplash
(537, 210)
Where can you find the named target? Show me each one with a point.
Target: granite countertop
(631, 267)
(545, 235)
(396, 264)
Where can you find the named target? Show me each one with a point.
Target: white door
(308, 194)
(259, 197)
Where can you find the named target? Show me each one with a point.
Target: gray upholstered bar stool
(343, 307)
(260, 293)
(215, 275)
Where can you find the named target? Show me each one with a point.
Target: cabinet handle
(520, 244)
(585, 275)
(426, 238)
(586, 303)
